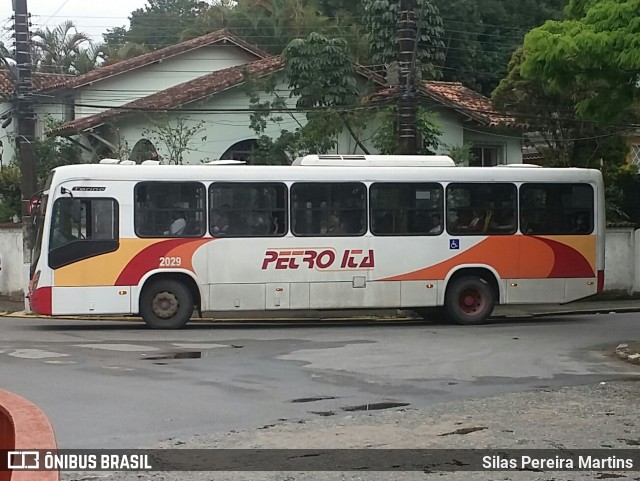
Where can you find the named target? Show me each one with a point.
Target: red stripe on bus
(600, 281)
(148, 259)
(40, 301)
(568, 262)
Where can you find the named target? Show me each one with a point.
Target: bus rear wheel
(166, 304)
(469, 300)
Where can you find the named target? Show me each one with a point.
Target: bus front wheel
(469, 300)
(166, 304)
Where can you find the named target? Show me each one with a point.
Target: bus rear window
(555, 208)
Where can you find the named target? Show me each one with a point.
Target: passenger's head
(333, 222)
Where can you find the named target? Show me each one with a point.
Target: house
(115, 110)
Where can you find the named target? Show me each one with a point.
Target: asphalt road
(120, 385)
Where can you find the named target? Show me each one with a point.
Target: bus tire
(166, 304)
(469, 300)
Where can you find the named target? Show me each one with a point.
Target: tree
(381, 18)
(564, 138)
(386, 138)
(481, 35)
(158, 24)
(595, 55)
(175, 135)
(57, 50)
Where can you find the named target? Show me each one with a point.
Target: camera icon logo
(19, 460)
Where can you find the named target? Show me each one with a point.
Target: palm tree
(58, 49)
(88, 59)
(115, 53)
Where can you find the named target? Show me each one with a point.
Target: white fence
(622, 258)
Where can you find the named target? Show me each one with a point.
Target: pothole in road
(311, 399)
(174, 355)
(374, 406)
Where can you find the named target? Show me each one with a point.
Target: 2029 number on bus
(170, 261)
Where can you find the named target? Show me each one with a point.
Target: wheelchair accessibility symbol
(454, 244)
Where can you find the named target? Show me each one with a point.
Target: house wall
(7, 135)
(452, 131)
(124, 88)
(223, 127)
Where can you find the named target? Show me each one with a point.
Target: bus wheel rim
(165, 305)
(471, 301)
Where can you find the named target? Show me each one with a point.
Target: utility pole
(25, 123)
(407, 108)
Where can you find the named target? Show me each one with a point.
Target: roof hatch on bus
(376, 160)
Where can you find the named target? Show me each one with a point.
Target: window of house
(328, 209)
(406, 209)
(170, 209)
(486, 155)
(256, 209)
(481, 208)
(635, 154)
(556, 209)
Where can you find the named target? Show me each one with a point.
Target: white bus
(329, 232)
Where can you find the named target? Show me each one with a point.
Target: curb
(515, 314)
(24, 426)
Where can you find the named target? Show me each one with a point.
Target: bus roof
(256, 173)
(376, 160)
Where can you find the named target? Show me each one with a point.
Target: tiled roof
(468, 101)
(41, 81)
(157, 55)
(178, 95)
(453, 95)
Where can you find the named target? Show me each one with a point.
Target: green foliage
(595, 57)
(49, 153)
(52, 152)
(175, 135)
(320, 72)
(10, 196)
(480, 36)
(386, 138)
(461, 154)
(60, 49)
(381, 17)
(159, 23)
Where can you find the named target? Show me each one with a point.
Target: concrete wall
(11, 275)
(622, 260)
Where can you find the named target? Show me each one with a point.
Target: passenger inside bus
(220, 223)
(436, 223)
(581, 224)
(178, 225)
(334, 225)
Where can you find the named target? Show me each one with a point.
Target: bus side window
(556, 209)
